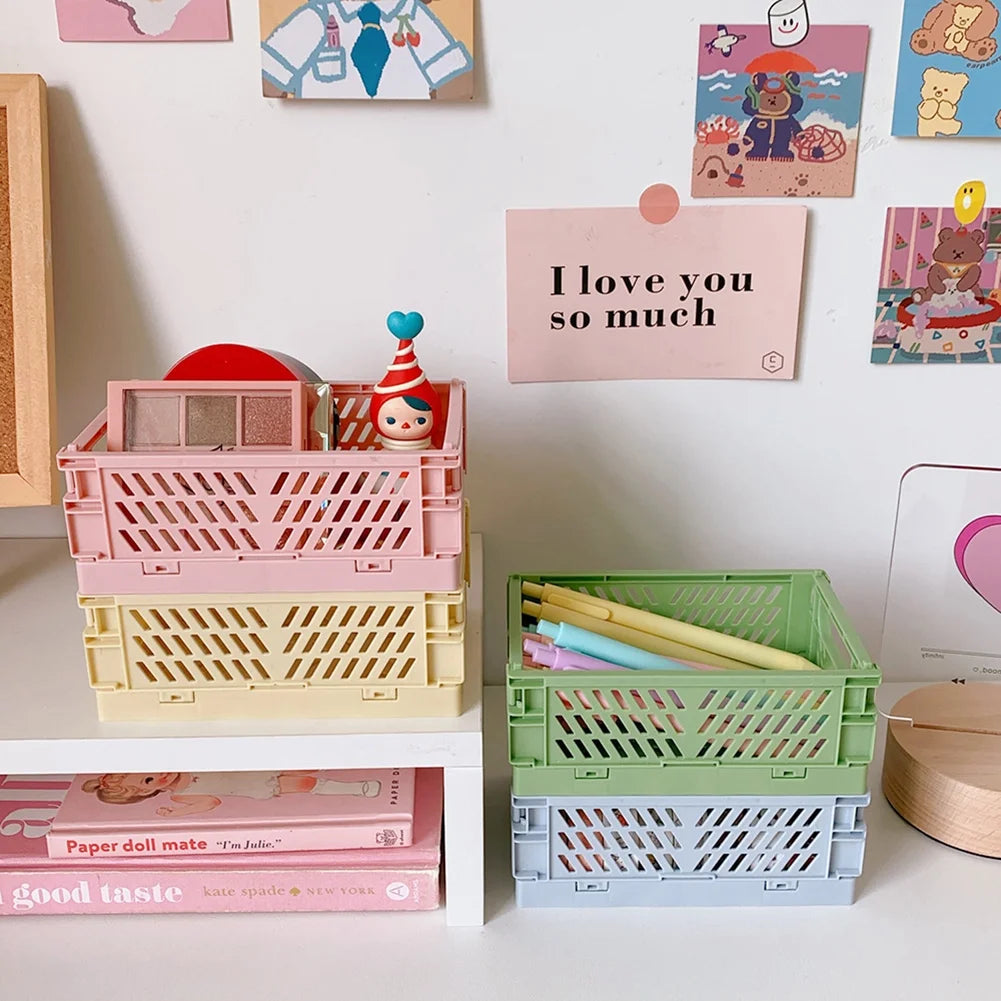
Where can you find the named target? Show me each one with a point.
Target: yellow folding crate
(265, 656)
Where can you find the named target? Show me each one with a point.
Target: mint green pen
(592, 645)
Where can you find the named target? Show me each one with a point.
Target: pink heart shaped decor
(978, 556)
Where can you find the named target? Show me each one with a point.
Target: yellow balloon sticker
(970, 201)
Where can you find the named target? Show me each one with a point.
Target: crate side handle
(849, 637)
(91, 434)
(455, 418)
(514, 630)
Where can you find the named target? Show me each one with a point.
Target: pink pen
(526, 660)
(558, 659)
(544, 654)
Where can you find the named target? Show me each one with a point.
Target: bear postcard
(778, 115)
(940, 287)
(949, 75)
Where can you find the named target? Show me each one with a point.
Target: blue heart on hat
(405, 326)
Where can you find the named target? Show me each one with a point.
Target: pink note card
(143, 20)
(604, 294)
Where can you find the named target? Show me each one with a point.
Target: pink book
(232, 813)
(404, 879)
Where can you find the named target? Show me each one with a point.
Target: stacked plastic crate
(246, 549)
(659, 788)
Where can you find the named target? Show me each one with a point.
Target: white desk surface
(925, 927)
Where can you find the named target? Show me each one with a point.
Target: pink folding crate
(232, 521)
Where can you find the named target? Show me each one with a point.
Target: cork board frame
(27, 336)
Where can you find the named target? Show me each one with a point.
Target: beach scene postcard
(774, 119)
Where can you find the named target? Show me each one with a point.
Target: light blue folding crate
(663, 851)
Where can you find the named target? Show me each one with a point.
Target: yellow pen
(598, 609)
(652, 644)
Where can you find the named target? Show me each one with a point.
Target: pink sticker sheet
(143, 20)
(713, 293)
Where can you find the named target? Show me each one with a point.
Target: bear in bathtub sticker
(949, 75)
(778, 107)
(940, 286)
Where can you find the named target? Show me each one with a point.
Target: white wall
(188, 210)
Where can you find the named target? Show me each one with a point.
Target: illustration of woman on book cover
(193, 793)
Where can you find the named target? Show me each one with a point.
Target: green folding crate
(755, 733)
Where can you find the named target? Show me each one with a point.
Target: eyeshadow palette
(212, 417)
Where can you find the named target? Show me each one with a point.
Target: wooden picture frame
(27, 335)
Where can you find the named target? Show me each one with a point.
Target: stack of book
(364, 840)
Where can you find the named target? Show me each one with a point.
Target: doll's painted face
(405, 418)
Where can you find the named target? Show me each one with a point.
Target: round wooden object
(942, 772)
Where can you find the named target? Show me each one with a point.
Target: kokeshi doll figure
(406, 410)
